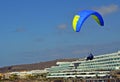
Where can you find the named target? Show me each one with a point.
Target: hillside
(33, 66)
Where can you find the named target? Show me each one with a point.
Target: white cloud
(39, 39)
(20, 30)
(107, 9)
(82, 51)
(62, 26)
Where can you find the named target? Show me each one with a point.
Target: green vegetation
(14, 77)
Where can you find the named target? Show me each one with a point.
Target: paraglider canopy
(79, 19)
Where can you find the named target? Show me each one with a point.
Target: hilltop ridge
(34, 66)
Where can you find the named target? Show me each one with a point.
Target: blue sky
(40, 30)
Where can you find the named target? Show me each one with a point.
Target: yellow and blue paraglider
(79, 19)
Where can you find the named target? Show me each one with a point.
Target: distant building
(23, 74)
(99, 66)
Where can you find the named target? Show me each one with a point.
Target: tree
(14, 77)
